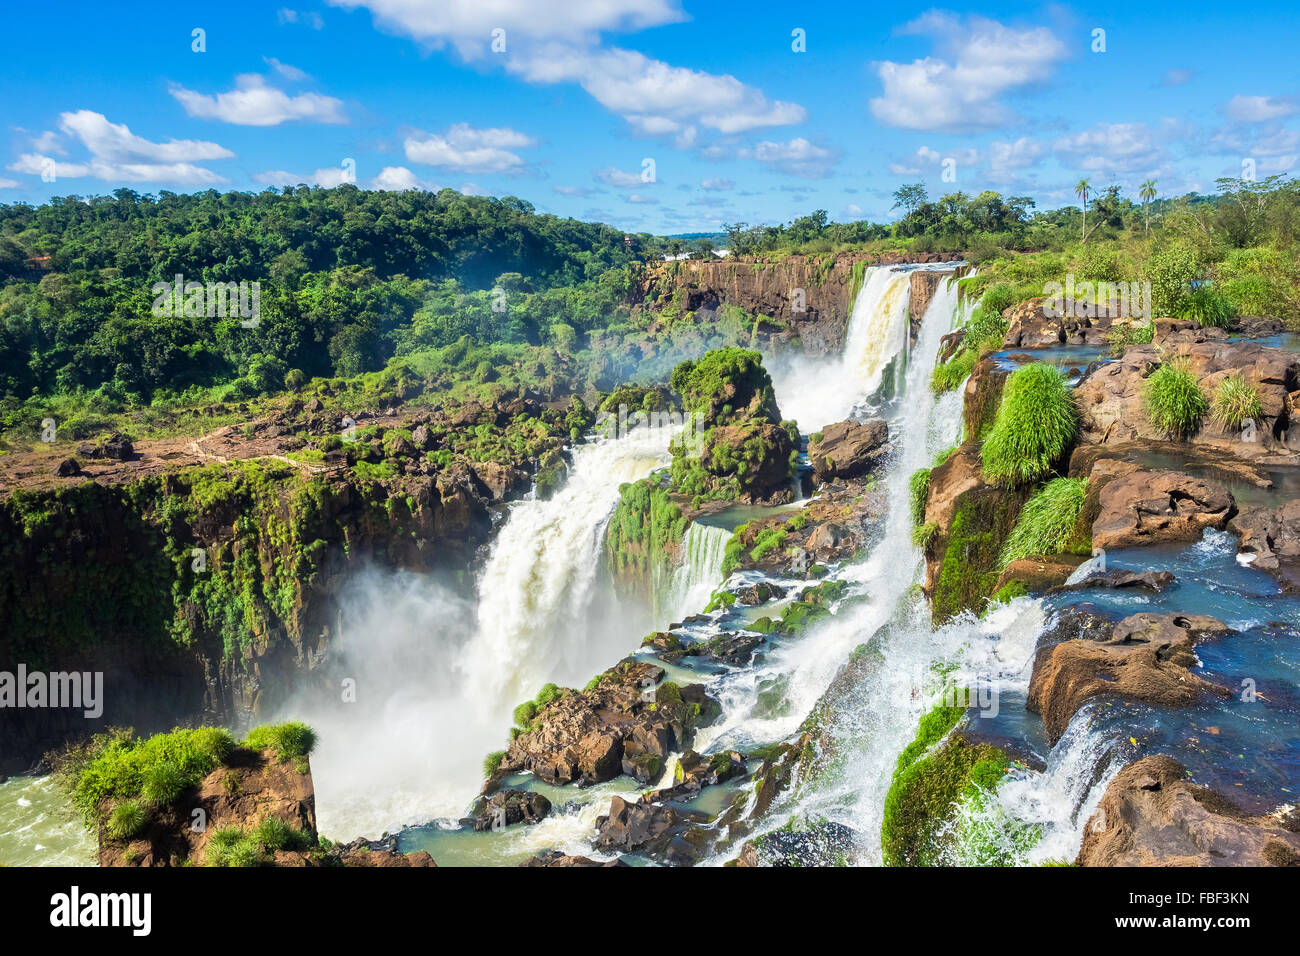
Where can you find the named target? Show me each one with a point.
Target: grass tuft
(1046, 521)
(1235, 401)
(1035, 425)
(1173, 401)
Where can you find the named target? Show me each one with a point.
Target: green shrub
(919, 491)
(127, 819)
(1170, 271)
(293, 740)
(163, 783)
(274, 834)
(1123, 334)
(1047, 520)
(953, 372)
(492, 762)
(1035, 425)
(1206, 306)
(1173, 400)
(1235, 401)
(997, 299)
(923, 535)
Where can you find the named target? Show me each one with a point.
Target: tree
(910, 197)
(1148, 193)
(1081, 189)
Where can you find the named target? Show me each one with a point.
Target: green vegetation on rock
(1173, 400)
(1047, 522)
(1034, 427)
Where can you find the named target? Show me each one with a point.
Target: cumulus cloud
(797, 157)
(7, 183)
(118, 155)
(1259, 109)
(469, 149)
(1112, 148)
(574, 190)
(254, 103)
(399, 179)
(619, 179)
(718, 184)
(290, 73)
(1007, 159)
(329, 177)
(957, 91)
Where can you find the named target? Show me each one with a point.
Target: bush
(919, 489)
(1124, 334)
(163, 783)
(1170, 272)
(127, 819)
(1206, 306)
(1173, 401)
(1046, 521)
(1035, 425)
(1235, 401)
(290, 741)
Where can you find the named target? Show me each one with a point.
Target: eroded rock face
(849, 449)
(655, 829)
(1272, 535)
(1032, 328)
(1117, 579)
(1151, 815)
(1150, 507)
(1110, 397)
(1143, 657)
(556, 858)
(625, 724)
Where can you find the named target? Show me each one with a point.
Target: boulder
(68, 468)
(1144, 657)
(1271, 537)
(556, 858)
(1152, 815)
(1150, 507)
(507, 807)
(1117, 579)
(848, 449)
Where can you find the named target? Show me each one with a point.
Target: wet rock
(1150, 507)
(848, 449)
(693, 773)
(1075, 622)
(508, 807)
(68, 468)
(556, 858)
(1145, 657)
(1151, 815)
(1039, 575)
(1031, 327)
(421, 437)
(624, 724)
(760, 593)
(654, 829)
(1116, 579)
(816, 842)
(1272, 537)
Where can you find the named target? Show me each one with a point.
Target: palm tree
(1148, 193)
(1081, 189)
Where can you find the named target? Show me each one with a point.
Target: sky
(665, 116)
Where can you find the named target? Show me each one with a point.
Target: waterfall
(817, 393)
(698, 572)
(437, 675)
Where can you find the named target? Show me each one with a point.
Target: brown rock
(68, 468)
(1144, 657)
(1273, 537)
(848, 449)
(1151, 815)
(1148, 507)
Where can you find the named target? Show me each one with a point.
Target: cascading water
(698, 572)
(437, 676)
(818, 393)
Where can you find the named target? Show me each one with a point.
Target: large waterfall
(437, 675)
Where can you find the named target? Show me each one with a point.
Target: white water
(437, 676)
(698, 572)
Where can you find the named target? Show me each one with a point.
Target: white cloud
(1112, 148)
(469, 149)
(574, 190)
(468, 24)
(718, 184)
(254, 103)
(399, 179)
(8, 183)
(612, 176)
(1006, 160)
(290, 73)
(642, 199)
(329, 177)
(308, 18)
(1258, 109)
(958, 91)
(118, 155)
(798, 157)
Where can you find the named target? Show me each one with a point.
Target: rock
(1039, 575)
(314, 405)
(656, 830)
(421, 437)
(556, 858)
(849, 449)
(1272, 537)
(817, 842)
(1117, 579)
(1144, 657)
(68, 468)
(1151, 815)
(1030, 327)
(1075, 622)
(1149, 507)
(760, 593)
(507, 807)
(624, 724)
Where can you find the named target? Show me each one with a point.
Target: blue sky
(660, 115)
